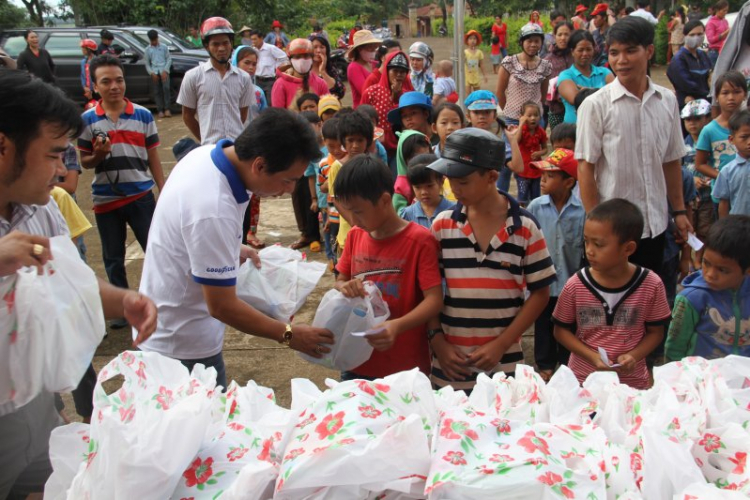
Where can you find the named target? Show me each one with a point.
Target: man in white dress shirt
(270, 57)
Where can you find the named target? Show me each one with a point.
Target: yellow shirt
(448, 192)
(344, 226)
(472, 58)
(77, 222)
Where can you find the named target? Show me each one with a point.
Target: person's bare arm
(429, 308)
(516, 160)
(502, 84)
(313, 193)
(723, 208)
(568, 90)
(137, 309)
(70, 182)
(649, 342)
(673, 177)
(587, 183)
(702, 166)
(101, 150)
(243, 114)
(188, 117)
(545, 89)
(154, 165)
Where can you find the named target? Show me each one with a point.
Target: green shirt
(195, 41)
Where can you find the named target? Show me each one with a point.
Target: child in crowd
(356, 136)
(245, 57)
(564, 136)
(732, 187)
(330, 215)
(445, 85)
(447, 118)
(328, 106)
(428, 192)
(582, 96)
(612, 304)
(400, 257)
(711, 316)
(532, 144)
(307, 102)
(714, 149)
(473, 57)
(410, 144)
(695, 116)
(304, 196)
(377, 146)
(561, 216)
(492, 251)
(414, 112)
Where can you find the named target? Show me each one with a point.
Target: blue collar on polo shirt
(514, 211)
(225, 167)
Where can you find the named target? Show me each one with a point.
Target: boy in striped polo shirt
(612, 305)
(492, 252)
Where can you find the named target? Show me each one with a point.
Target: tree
(12, 16)
(36, 9)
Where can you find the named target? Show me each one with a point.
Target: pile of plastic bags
(170, 434)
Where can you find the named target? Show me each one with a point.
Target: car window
(14, 45)
(143, 36)
(177, 40)
(63, 45)
(119, 40)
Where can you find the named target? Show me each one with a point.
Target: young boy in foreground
(612, 304)
(400, 257)
(492, 251)
(711, 316)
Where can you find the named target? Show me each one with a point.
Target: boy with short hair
(330, 214)
(445, 85)
(732, 187)
(612, 304)
(377, 146)
(711, 316)
(492, 251)
(356, 136)
(427, 186)
(564, 136)
(158, 64)
(560, 215)
(400, 257)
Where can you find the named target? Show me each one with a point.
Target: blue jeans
(217, 361)
(504, 51)
(713, 56)
(528, 189)
(503, 182)
(112, 228)
(162, 95)
(329, 238)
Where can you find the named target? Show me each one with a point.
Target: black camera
(98, 134)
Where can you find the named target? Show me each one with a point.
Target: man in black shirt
(105, 47)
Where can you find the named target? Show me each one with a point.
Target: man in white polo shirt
(194, 248)
(270, 57)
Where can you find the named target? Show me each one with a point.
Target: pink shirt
(357, 74)
(286, 86)
(714, 28)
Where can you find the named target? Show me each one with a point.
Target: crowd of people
(625, 190)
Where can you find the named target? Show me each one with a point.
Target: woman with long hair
(560, 59)
(324, 67)
(297, 78)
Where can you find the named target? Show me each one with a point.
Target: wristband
(431, 334)
(675, 213)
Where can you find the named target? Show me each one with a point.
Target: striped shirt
(629, 140)
(217, 100)
(124, 176)
(44, 220)
(485, 290)
(584, 308)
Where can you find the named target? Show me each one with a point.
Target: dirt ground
(247, 357)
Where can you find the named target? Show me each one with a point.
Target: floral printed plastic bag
(70, 448)
(343, 316)
(522, 397)
(148, 432)
(281, 286)
(361, 438)
(703, 491)
(60, 323)
(8, 336)
(481, 456)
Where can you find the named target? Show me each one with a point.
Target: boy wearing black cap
(492, 251)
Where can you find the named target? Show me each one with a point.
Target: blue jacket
(709, 323)
(689, 75)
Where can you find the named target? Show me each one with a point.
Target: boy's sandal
(301, 243)
(255, 243)
(315, 246)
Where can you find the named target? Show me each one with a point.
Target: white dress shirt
(270, 58)
(629, 140)
(645, 15)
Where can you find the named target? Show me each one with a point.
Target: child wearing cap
(473, 57)
(492, 251)
(328, 106)
(696, 115)
(414, 112)
(561, 216)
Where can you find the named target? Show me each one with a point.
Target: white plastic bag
(60, 323)
(8, 335)
(281, 285)
(70, 448)
(342, 316)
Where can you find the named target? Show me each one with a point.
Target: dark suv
(63, 44)
(174, 43)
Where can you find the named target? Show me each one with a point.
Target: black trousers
(307, 220)
(650, 253)
(548, 352)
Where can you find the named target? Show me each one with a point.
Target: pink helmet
(299, 46)
(89, 44)
(216, 26)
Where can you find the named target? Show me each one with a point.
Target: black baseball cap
(469, 150)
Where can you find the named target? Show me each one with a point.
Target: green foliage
(12, 16)
(661, 40)
(484, 26)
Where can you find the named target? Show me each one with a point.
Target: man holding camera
(119, 141)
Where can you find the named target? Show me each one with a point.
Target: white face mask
(368, 55)
(694, 41)
(302, 66)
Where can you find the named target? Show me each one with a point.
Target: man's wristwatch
(433, 332)
(286, 338)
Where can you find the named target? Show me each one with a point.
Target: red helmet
(89, 44)
(216, 26)
(299, 46)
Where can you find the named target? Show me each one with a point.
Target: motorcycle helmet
(216, 26)
(89, 44)
(299, 46)
(423, 51)
(529, 30)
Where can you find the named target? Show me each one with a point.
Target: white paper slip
(694, 242)
(605, 358)
(367, 332)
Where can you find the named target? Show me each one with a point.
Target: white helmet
(421, 50)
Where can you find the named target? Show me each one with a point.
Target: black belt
(265, 78)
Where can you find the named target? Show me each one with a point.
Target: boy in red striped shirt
(612, 304)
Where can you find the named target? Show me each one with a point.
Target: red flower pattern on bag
(370, 387)
(636, 462)
(531, 443)
(740, 461)
(294, 453)
(502, 425)
(455, 458)
(550, 478)
(501, 458)
(237, 453)
(199, 472)
(711, 443)
(330, 425)
(369, 412)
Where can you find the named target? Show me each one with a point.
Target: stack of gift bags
(167, 433)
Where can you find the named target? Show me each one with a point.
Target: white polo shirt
(195, 239)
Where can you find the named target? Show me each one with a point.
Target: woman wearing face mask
(297, 78)
(688, 71)
(362, 55)
(323, 66)
(560, 59)
(420, 59)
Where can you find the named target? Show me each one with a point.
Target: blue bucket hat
(407, 99)
(481, 99)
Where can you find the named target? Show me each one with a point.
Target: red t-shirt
(531, 142)
(500, 32)
(401, 266)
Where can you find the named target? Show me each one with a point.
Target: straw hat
(362, 37)
(244, 29)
